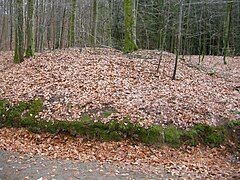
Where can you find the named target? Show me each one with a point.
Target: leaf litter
(72, 82)
(187, 162)
(75, 81)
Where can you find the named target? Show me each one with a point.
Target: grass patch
(25, 114)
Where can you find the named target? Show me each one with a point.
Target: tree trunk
(110, 40)
(178, 43)
(4, 26)
(71, 32)
(129, 44)
(135, 8)
(227, 23)
(94, 23)
(11, 24)
(63, 25)
(29, 30)
(19, 34)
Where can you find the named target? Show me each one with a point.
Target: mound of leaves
(72, 82)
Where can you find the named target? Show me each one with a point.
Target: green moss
(115, 136)
(153, 135)
(201, 128)
(86, 118)
(190, 137)
(35, 107)
(4, 107)
(232, 124)
(77, 128)
(113, 125)
(213, 136)
(172, 136)
(108, 112)
(29, 52)
(216, 136)
(129, 44)
(25, 115)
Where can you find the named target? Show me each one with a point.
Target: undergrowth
(25, 114)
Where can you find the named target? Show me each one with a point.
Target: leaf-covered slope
(72, 82)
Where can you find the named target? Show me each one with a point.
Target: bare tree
(94, 23)
(29, 30)
(179, 36)
(19, 33)
(227, 23)
(129, 37)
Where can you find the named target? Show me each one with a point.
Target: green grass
(24, 114)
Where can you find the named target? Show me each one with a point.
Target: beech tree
(227, 23)
(71, 35)
(19, 33)
(179, 38)
(208, 27)
(129, 25)
(29, 30)
(94, 23)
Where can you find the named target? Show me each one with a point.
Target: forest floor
(120, 159)
(74, 81)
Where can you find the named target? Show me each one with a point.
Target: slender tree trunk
(29, 30)
(57, 27)
(63, 25)
(162, 33)
(110, 40)
(19, 33)
(3, 27)
(36, 26)
(43, 25)
(161, 29)
(187, 43)
(71, 32)
(135, 9)
(227, 23)
(94, 23)
(11, 24)
(49, 27)
(179, 37)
